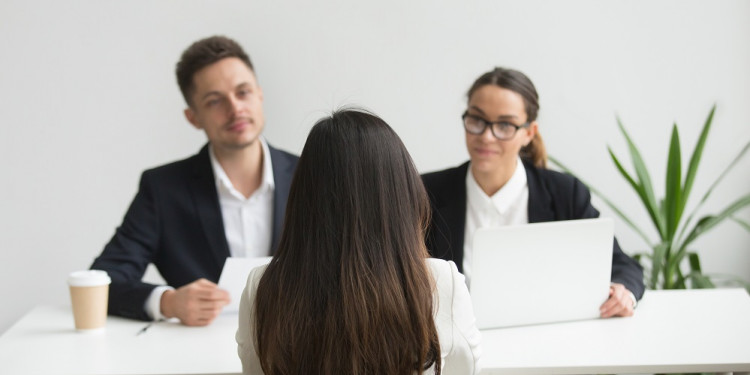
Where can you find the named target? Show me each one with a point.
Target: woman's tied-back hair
(519, 83)
(348, 291)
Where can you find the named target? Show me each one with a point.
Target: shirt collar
(504, 198)
(223, 181)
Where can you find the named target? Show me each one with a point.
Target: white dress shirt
(508, 206)
(248, 222)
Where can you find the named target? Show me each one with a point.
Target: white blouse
(453, 314)
(508, 206)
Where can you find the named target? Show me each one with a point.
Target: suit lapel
(540, 203)
(283, 170)
(203, 189)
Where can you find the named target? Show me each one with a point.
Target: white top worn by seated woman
(453, 314)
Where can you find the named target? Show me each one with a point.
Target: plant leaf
(741, 222)
(658, 263)
(662, 208)
(673, 192)
(700, 281)
(644, 181)
(708, 222)
(695, 159)
(623, 172)
(606, 200)
(695, 262)
(638, 189)
(711, 188)
(680, 283)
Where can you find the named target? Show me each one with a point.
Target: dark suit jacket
(553, 196)
(175, 223)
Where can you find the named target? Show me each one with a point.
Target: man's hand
(195, 304)
(620, 302)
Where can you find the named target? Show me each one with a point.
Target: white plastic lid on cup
(89, 278)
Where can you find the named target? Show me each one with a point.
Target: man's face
(227, 103)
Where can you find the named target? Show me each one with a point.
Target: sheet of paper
(234, 277)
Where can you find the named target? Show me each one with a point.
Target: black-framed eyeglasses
(502, 130)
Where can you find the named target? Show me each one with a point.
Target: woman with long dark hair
(350, 289)
(506, 183)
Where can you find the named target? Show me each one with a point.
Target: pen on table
(144, 329)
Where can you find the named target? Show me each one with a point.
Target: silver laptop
(541, 273)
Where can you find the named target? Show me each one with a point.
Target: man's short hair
(204, 53)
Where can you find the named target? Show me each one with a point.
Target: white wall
(88, 99)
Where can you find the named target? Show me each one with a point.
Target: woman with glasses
(351, 288)
(506, 183)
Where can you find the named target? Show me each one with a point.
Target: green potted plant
(671, 263)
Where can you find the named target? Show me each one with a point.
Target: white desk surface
(44, 341)
(672, 331)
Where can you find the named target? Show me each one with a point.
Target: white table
(45, 342)
(672, 331)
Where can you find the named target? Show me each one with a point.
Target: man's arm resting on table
(153, 303)
(195, 304)
(126, 256)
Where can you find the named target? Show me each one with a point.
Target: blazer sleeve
(625, 270)
(460, 354)
(129, 252)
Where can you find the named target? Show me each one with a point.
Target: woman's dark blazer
(553, 196)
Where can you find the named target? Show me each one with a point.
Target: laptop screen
(541, 272)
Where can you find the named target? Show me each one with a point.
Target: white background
(88, 100)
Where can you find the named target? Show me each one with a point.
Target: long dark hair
(515, 81)
(349, 291)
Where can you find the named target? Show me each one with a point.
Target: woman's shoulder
(549, 177)
(439, 178)
(255, 274)
(437, 265)
(443, 272)
(547, 174)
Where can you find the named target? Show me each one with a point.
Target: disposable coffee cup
(89, 292)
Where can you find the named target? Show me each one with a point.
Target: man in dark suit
(190, 215)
